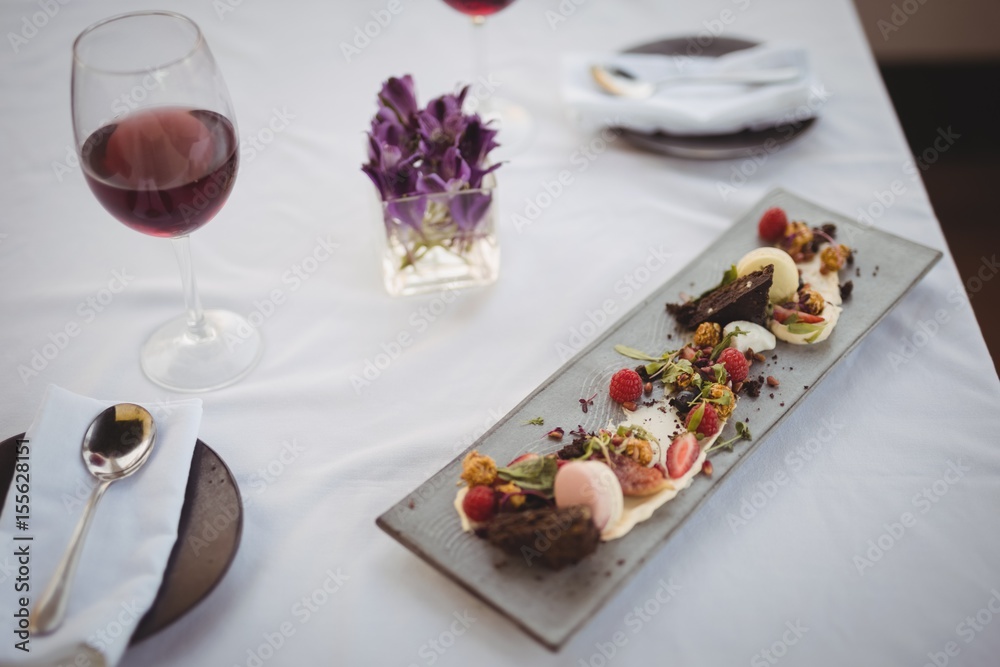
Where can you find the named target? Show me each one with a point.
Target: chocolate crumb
(846, 289)
(805, 386)
(620, 562)
(771, 395)
(774, 358)
(857, 272)
(411, 504)
(782, 404)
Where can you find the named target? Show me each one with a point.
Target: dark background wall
(940, 60)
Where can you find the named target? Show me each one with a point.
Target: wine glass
(513, 119)
(158, 146)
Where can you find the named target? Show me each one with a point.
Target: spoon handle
(51, 608)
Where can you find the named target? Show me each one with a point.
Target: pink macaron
(593, 484)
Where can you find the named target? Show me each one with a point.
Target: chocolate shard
(743, 299)
(551, 536)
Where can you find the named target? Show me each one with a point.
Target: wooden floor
(964, 181)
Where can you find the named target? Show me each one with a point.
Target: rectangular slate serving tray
(552, 606)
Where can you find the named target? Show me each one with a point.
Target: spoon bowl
(118, 441)
(116, 444)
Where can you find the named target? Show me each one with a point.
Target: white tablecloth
(315, 582)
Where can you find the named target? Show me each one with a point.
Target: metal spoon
(622, 83)
(117, 443)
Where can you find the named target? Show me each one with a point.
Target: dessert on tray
(555, 509)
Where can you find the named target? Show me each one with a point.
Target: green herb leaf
(636, 431)
(654, 368)
(727, 277)
(633, 353)
(742, 433)
(675, 368)
(537, 421)
(726, 340)
(720, 373)
(804, 328)
(537, 474)
(696, 416)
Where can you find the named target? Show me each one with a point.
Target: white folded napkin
(684, 108)
(130, 539)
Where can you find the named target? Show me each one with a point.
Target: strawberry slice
(522, 457)
(682, 454)
(782, 314)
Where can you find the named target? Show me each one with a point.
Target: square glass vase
(440, 241)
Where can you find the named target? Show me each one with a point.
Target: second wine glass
(513, 119)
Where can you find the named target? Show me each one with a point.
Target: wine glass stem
(192, 304)
(479, 54)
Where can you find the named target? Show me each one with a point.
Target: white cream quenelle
(784, 287)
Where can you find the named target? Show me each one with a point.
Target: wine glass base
(176, 359)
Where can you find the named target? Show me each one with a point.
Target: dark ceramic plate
(551, 606)
(711, 146)
(191, 574)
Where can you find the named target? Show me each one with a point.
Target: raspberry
(772, 224)
(737, 366)
(479, 503)
(626, 385)
(709, 424)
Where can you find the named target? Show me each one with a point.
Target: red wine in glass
(479, 7)
(163, 171)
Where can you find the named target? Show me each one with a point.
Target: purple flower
(399, 97)
(408, 210)
(442, 123)
(468, 208)
(451, 175)
(434, 150)
(476, 143)
(391, 171)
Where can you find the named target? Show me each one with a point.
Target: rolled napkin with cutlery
(129, 541)
(753, 88)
